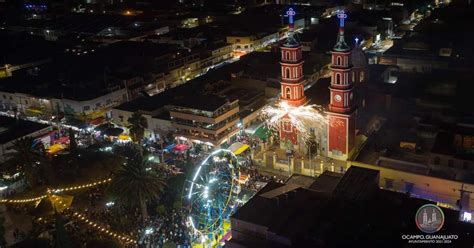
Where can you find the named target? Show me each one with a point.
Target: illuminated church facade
(336, 138)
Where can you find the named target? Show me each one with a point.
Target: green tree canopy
(133, 183)
(27, 155)
(137, 125)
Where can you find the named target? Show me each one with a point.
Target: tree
(137, 126)
(26, 156)
(132, 183)
(197, 148)
(161, 209)
(178, 205)
(288, 145)
(72, 141)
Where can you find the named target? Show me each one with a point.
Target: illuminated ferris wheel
(212, 192)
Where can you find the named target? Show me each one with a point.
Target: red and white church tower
(292, 81)
(342, 110)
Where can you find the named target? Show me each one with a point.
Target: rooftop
(22, 48)
(447, 144)
(189, 95)
(65, 76)
(334, 218)
(12, 129)
(79, 23)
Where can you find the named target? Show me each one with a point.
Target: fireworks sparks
(303, 118)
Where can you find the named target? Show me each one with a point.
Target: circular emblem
(338, 98)
(429, 218)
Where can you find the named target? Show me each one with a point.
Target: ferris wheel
(212, 193)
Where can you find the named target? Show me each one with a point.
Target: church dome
(359, 59)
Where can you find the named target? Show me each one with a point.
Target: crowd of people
(161, 229)
(158, 229)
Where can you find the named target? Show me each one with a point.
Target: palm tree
(133, 183)
(26, 155)
(137, 126)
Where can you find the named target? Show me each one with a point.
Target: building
(38, 96)
(212, 122)
(328, 212)
(420, 139)
(337, 138)
(342, 111)
(115, 73)
(439, 41)
(23, 51)
(12, 129)
(360, 68)
(292, 85)
(180, 112)
(245, 42)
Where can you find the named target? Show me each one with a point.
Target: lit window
(467, 217)
(288, 92)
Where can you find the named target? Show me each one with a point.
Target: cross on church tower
(291, 41)
(341, 44)
(290, 13)
(342, 16)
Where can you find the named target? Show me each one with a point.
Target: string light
(23, 200)
(102, 229)
(55, 191)
(81, 186)
(77, 215)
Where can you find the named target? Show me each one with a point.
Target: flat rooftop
(12, 128)
(189, 95)
(19, 48)
(88, 76)
(306, 217)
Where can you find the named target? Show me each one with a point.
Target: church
(335, 138)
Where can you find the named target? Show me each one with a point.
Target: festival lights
(102, 228)
(302, 117)
(81, 186)
(55, 191)
(35, 199)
